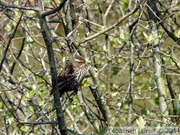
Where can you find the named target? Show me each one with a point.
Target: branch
(111, 27)
(173, 37)
(155, 15)
(99, 103)
(3, 6)
(48, 42)
(9, 42)
(19, 54)
(37, 122)
(157, 62)
(54, 10)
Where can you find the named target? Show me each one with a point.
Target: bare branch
(4, 6)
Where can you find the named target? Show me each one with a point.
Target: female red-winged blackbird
(73, 74)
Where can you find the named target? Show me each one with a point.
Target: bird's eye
(78, 61)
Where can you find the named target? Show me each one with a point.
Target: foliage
(118, 40)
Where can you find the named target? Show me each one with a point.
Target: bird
(72, 75)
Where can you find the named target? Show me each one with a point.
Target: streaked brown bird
(72, 75)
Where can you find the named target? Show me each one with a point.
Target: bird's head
(79, 62)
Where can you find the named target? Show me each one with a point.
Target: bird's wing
(64, 82)
(68, 70)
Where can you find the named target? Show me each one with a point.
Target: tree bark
(152, 10)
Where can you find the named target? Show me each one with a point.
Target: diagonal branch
(3, 6)
(54, 10)
(9, 42)
(112, 26)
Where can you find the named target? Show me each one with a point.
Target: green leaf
(116, 124)
(103, 131)
(125, 3)
(24, 128)
(144, 111)
(31, 108)
(156, 101)
(32, 93)
(47, 1)
(177, 106)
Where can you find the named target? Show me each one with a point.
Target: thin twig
(18, 7)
